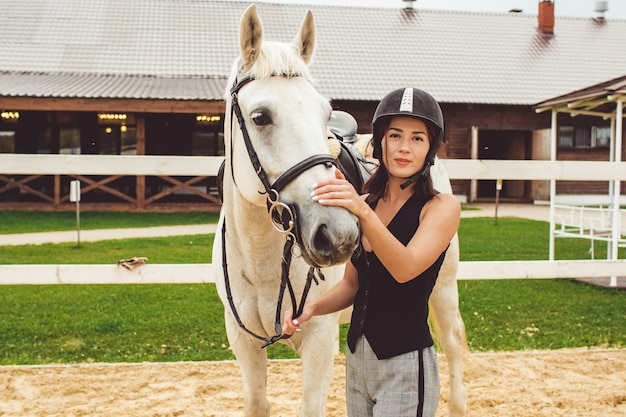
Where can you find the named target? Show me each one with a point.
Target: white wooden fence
(462, 169)
(590, 223)
(203, 273)
(18, 164)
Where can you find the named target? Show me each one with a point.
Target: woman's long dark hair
(377, 184)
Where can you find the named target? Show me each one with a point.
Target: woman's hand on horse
(339, 192)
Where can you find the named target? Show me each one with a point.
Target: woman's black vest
(393, 316)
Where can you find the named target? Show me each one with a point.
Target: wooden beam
(57, 190)
(140, 184)
(101, 185)
(51, 164)
(21, 184)
(140, 192)
(178, 185)
(140, 133)
(112, 105)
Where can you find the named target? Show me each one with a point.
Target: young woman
(406, 225)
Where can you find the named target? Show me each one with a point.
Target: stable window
(207, 138)
(117, 134)
(566, 137)
(8, 124)
(7, 142)
(584, 137)
(602, 137)
(69, 141)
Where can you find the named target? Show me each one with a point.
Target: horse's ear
(250, 36)
(305, 40)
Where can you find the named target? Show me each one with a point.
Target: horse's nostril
(322, 241)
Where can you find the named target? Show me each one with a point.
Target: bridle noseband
(283, 218)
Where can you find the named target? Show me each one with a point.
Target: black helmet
(408, 102)
(343, 125)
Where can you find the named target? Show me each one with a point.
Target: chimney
(600, 7)
(546, 16)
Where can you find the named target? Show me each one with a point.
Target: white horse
(444, 304)
(275, 121)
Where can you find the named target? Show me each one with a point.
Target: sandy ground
(569, 382)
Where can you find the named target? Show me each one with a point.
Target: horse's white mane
(278, 58)
(275, 58)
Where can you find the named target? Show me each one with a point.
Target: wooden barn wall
(459, 119)
(490, 117)
(586, 187)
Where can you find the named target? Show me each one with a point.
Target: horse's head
(276, 121)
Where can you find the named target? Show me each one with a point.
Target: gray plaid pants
(390, 387)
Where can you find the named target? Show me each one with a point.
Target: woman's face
(405, 146)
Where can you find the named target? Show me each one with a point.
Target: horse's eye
(261, 118)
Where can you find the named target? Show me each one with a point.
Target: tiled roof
(184, 49)
(600, 100)
(615, 89)
(76, 85)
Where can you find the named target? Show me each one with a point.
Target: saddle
(354, 166)
(351, 162)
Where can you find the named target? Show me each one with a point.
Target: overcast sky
(577, 8)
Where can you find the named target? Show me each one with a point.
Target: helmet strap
(410, 181)
(416, 176)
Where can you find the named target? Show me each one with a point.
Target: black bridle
(283, 218)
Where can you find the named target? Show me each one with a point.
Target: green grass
(52, 221)
(186, 249)
(503, 315)
(120, 323)
(135, 323)
(131, 323)
(519, 239)
(480, 239)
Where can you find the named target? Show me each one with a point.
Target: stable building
(147, 77)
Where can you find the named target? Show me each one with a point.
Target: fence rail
(203, 273)
(461, 169)
(20, 164)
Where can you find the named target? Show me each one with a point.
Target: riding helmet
(408, 102)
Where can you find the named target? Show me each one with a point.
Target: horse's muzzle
(331, 244)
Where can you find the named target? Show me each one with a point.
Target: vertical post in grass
(75, 197)
(498, 188)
